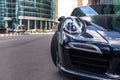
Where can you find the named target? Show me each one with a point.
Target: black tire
(54, 48)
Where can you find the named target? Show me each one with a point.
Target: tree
(6, 24)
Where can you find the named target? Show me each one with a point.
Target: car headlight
(73, 26)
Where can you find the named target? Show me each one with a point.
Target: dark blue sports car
(87, 43)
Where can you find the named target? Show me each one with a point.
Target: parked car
(20, 29)
(87, 43)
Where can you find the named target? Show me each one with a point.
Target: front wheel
(54, 49)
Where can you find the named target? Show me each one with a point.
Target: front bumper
(87, 75)
(88, 64)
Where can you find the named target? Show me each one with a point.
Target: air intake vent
(88, 61)
(118, 69)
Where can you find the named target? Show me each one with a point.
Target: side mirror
(61, 18)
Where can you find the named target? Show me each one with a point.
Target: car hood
(106, 26)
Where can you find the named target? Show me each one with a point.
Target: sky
(65, 7)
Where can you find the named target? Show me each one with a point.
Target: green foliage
(6, 24)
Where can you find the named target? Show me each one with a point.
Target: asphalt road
(27, 57)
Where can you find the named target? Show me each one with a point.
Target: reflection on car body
(88, 44)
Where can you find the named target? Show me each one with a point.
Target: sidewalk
(27, 33)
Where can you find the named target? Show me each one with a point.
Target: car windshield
(88, 11)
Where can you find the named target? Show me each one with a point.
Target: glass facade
(36, 8)
(2, 11)
(106, 1)
(33, 12)
(115, 2)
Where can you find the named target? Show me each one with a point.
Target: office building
(97, 2)
(82, 2)
(34, 14)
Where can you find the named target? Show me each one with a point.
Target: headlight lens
(73, 26)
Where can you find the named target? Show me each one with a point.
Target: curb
(4, 35)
